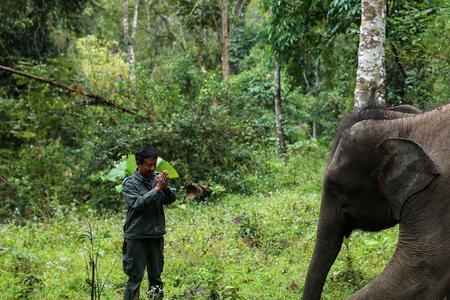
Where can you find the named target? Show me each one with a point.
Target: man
(145, 193)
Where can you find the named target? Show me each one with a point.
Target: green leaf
(28, 135)
(161, 165)
(118, 172)
(131, 164)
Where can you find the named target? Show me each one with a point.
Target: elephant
(389, 166)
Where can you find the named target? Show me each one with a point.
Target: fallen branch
(77, 89)
(5, 180)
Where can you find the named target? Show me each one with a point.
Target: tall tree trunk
(201, 36)
(129, 39)
(370, 77)
(225, 40)
(278, 114)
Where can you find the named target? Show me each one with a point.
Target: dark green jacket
(145, 213)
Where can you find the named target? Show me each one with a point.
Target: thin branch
(105, 280)
(5, 180)
(397, 61)
(170, 31)
(77, 89)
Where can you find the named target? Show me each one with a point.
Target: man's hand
(162, 181)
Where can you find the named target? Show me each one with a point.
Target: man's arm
(137, 201)
(169, 196)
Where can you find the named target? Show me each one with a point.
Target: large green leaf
(161, 165)
(131, 164)
(117, 173)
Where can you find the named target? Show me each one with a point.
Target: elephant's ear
(407, 169)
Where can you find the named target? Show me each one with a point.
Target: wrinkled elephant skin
(388, 167)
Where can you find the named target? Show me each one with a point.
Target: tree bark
(225, 40)
(370, 77)
(200, 38)
(278, 113)
(130, 39)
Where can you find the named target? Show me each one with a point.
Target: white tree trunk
(370, 77)
(135, 20)
(129, 39)
(125, 19)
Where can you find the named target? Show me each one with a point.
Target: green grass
(238, 247)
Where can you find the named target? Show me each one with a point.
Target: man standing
(145, 193)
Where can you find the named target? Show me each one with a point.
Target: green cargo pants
(137, 255)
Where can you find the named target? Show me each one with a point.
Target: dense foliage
(58, 204)
(56, 146)
(244, 247)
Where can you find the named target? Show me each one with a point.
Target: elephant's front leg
(399, 285)
(417, 270)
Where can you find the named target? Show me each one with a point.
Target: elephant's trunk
(328, 244)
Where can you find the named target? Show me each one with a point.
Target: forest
(242, 97)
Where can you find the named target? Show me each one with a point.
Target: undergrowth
(255, 246)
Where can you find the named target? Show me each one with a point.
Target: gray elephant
(388, 167)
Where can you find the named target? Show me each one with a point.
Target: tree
(278, 112)
(281, 34)
(130, 38)
(370, 77)
(225, 39)
(29, 30)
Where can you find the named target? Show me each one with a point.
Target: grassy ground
(239, 247)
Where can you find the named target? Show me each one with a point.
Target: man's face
(147, 167)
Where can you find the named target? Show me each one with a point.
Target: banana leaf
(161, 165)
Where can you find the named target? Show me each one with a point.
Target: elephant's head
(372, 172)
